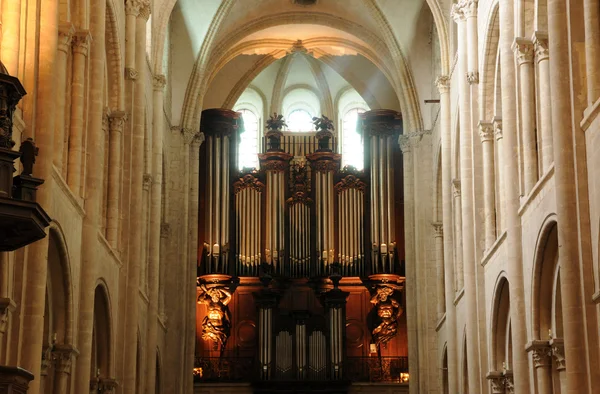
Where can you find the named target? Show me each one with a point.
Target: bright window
(248, 151)
(300, 120)
(352, 145)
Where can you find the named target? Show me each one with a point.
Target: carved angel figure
(388, 312)
(216, 325)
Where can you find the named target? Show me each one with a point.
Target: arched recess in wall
(501, 339)
(101, 365)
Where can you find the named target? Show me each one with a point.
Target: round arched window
(248, 150)
(300, 120)
(352, 144)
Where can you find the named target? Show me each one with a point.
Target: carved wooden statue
(216, 325)
(388, 312)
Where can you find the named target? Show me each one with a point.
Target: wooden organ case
(301, 263)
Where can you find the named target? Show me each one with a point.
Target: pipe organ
(310, 252)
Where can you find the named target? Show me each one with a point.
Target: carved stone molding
(81, 42)
(443, 83)
(540, 45)
(159, 81)
(473, 77)
(486, 131)
(65, 36)
(248, 181)
(131, 74)
(498, 128)
(558, 353)
(438, 229)
(456, 187)
(350, 182)
(523, 48)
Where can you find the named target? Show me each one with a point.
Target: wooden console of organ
(308, 256)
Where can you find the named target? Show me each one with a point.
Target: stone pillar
(155, 224)
(117, 120)
(135, 212)
(540, 45)
(94, 198)
(34, 295)
(542, 362)
(443, 85)
(511, 187)
(62, 356)
(438, 238)
(566, 198)
(459, 13)
(591, 14)
(11, 36)
(335, 305)
(458, 245)
(65, 36)
(501, 202)
(486, 133)
(81, 42)
(524, 51)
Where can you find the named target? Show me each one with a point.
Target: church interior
(299, 196)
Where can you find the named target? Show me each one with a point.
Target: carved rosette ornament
(388, 310)
(350, 182)
(248, 181)
(216, 325)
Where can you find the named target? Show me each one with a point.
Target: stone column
(566, 198)
(511, 187)
(438, 237)
(81, 42)
(524, 51)
(558, 355)
(93, 203)
(34, 295)
(65, 36)
(501, 202)
(443, 85)
(591, 14)
(542, 362)
(62, 356)
(540, 45)
(135, 212)
(155, 224)
(11, 36)
(466, 182)
(117, 120)
(486, 133)
(458, 245)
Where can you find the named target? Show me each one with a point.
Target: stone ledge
(488, 254)
(536, 190)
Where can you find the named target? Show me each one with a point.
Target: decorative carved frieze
(131, 74)
(248, 181)
(350, 182)
(443, 83)
(457, 13)
(486, 131)
(380, 123)
(540, 45)
(473, 77)
(132, 7)
(523, 49)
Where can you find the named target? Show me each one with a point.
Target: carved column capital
(458, 13)
(81, 42)
(438, 229)
(498, 128)
(540, 45)
(541, 353)
(443, 83)
(63, 355)
(132, 7)
(523, 49)
(558, 352)
(145, 10)
(473, 77)
(6, 306)
(192, 137)
(131, 74)
(406, 144)
(509, 383)
(147, 181)
(159, 81)
(65, 36)
(496, 379)
(486, 131)
(116, 121)
(46, 360)
(456, 187)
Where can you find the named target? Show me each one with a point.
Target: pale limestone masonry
(501, 179)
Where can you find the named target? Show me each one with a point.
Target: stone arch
(59, 288)
(102, 365)
(489, 67)
(500, 341)
(543, 278)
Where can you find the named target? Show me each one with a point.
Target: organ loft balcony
(301, 269)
